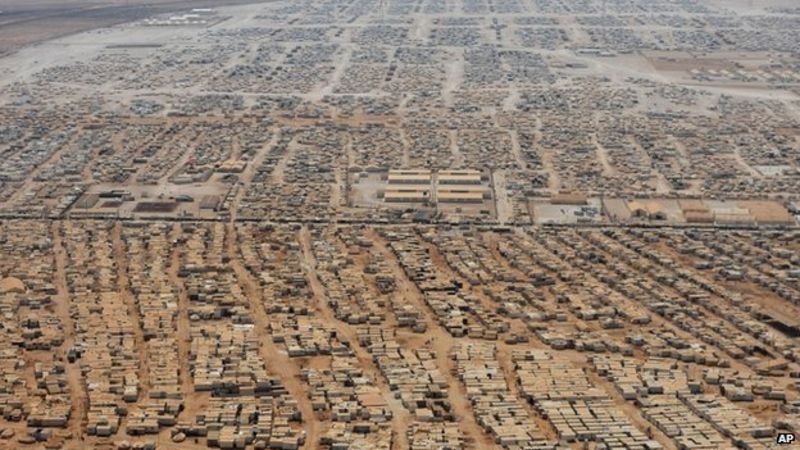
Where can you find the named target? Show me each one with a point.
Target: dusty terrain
(23, 23)
(399, 224)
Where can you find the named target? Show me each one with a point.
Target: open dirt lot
(24, 22)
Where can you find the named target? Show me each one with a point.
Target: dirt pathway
(77, 389)
(123, 283)
(503, 203)
(182, 334)
(401, 418)
(278, 362)
(246, 177)
(441, 343)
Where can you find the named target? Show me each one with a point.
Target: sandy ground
(25, 22)
(753, 6)
(71, 18)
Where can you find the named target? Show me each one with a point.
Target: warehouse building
(407, 195)
(462, 194)
(459, 177)
(409, 177)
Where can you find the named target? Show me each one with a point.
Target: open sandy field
(24, 22)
